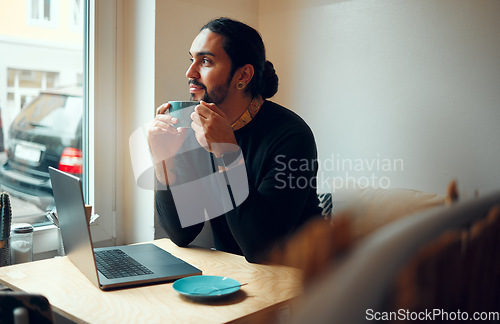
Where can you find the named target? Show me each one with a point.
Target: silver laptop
(109, 267)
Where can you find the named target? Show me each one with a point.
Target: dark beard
(217, 95)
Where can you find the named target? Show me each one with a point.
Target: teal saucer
(206, 287)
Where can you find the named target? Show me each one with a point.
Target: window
(41, 100)
(40, 61)
(42, 12)
(20, 80)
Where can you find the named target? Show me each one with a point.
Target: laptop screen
(68, 196)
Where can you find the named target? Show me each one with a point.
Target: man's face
(209, 73)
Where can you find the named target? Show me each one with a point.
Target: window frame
(100, 83)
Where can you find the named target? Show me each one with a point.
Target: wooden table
(71, 294)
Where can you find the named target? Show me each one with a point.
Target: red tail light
(71, 161)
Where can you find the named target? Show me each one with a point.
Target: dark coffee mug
(182, 111)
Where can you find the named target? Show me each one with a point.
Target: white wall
(414, 82)
(135, 99)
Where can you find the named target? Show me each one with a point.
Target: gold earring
(240, 85)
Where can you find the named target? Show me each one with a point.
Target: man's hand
(212, 129)
(164, 142)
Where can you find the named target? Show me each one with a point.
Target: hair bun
(269, 81)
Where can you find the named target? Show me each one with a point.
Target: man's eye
(205, 61)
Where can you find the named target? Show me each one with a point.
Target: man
(230, 77)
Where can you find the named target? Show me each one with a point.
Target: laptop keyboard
(118, 264)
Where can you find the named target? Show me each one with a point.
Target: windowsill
(45, 241)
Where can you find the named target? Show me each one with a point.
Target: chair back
(24, 308)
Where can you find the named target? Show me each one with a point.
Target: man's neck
(235, 107)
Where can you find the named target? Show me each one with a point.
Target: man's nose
(192, 72)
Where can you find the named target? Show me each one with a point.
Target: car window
(55, 113)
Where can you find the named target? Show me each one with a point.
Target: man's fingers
(162, 108)
(196, 127)
(162, 125)
(196, 118)
(166, 118)
(205, 110)
(200, 134)
(213, 107)
(155, 130)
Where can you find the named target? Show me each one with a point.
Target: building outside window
(41, 51)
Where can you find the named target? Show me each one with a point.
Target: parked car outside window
(47, 132)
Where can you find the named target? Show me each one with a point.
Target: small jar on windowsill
(21, 243)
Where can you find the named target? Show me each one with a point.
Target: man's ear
(245, 74)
